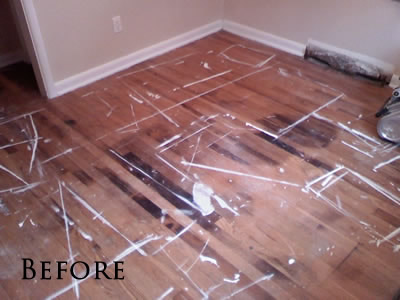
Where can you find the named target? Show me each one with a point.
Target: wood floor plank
(222, 169)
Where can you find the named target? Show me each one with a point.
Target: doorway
(20, 62)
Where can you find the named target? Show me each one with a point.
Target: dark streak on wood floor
(287, 152)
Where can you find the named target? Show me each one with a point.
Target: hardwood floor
(223, 169)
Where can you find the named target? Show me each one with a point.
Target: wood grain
(287, 147)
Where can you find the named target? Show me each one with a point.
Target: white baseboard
(10, 58)
(100, 72)
(298, 49)
(97, 73)
(265, 38)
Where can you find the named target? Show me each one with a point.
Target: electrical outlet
(117, 23)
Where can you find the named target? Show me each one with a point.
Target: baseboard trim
(265, 38)
(10, 58)
(82, 79)
(72, 83)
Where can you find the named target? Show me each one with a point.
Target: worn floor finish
(222, 169)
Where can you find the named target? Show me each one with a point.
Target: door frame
(28, 23)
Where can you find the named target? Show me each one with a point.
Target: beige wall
(370, 27)
(78, 35)
(9, 41)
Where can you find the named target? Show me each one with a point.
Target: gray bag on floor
(389, 124)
